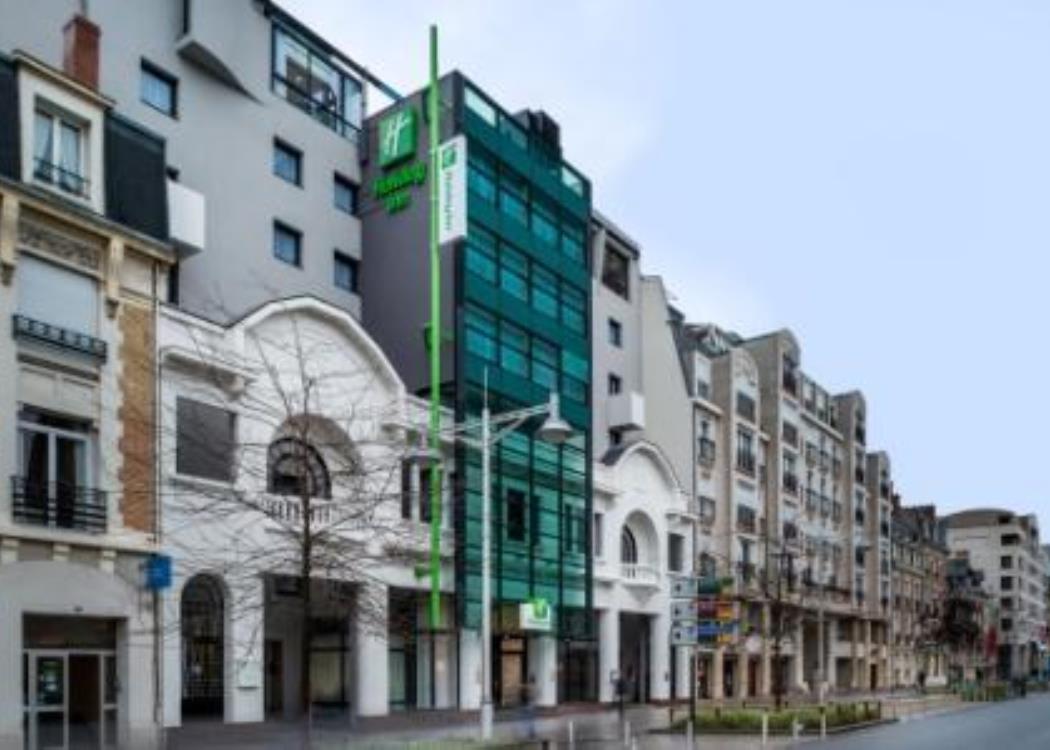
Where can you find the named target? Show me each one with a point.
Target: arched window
(628, 547)
(202, 646)
(296, 468)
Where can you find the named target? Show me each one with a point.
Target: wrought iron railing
(67, 180)
(47, 333)
(58, 505)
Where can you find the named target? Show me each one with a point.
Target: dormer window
(58, 152)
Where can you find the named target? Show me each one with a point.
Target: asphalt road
(1011, 725)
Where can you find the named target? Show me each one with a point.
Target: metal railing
(47, 333)
(71, 182)
(58, 505)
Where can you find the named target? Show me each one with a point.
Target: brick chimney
(80, 56)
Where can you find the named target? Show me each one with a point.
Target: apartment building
(1005, 547)
(970, 618)
(515, 297)
(918, 655)
(83, 252)
(262, 120)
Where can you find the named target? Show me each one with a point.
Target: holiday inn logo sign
(397, 136)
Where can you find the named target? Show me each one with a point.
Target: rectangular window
(573, 236)
(345, 271)
(304, 77)
(615, 333)
(615, 384)
(516, 515)
(597, 528)
(575, 376)
(42, 283)
(288, 162)
(513, 197)
(481, 254)
(675, 553)
(481, 334)
(344, 194)
(158, 89)
(406, 489)
(479, 106)
(544, 364)
(58, 153)
(544, 225)
(615, 272)
(573, 309)
(745, 407)
(745, 451)
(544, 292)
(514, 349)
(514, 273)
(1006, 562)
(481, 176)
(287, 244)
(205, 440)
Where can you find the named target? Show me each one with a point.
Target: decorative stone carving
(41, 237)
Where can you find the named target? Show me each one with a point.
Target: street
(1021, 724)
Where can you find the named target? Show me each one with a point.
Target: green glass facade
(523, 321)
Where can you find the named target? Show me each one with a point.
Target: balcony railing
(745, 462)
(66, 180)
(706, 454)
(58, 505)
(23, 327)
(639, 573)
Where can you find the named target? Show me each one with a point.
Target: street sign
(683, 610)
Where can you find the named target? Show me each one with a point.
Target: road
(1017, 725)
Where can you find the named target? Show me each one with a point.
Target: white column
(135, 670)
(608, 653)
(660, 656)
(171, 635)
(243, 689)
(543, 669)
(799, 659)
(469, 670)
(11, 668)
(718, 673)
(682, 669)
(765, 680)
(372, 678)
(444, 674)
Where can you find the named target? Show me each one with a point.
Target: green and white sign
(397, 136)
(535, 614)
(452, 190)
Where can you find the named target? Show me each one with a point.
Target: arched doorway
(202, 611)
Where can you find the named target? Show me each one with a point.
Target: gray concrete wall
(222, 144)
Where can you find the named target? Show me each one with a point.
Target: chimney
(80, 57)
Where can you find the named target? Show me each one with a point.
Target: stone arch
(641, 528)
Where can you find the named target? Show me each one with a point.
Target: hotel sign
(452, 190)
(535, 614)
(397, 136)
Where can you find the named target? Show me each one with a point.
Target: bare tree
(306, 486)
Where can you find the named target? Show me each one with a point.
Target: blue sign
(158, 572)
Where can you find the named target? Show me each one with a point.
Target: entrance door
(511, 671)
(274, 658)
(69, 700)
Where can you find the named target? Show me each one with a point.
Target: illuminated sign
(397, 136)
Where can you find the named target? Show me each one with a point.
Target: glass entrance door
(69, 700)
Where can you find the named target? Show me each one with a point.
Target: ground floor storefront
(77, 655)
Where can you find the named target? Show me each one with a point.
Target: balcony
(58, 505)
(186, 217)
(37, 330)
(626, 411)
(706, 451)
(640, 574)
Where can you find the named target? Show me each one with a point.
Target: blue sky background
(874, 175)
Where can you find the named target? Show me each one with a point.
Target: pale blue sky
(873, 175)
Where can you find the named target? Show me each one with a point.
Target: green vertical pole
(435, 340)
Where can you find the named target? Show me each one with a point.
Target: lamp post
(554, 430)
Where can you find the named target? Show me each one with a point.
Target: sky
(872, 174)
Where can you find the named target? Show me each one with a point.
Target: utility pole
(434, 341)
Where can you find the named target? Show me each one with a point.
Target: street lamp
(554, 430)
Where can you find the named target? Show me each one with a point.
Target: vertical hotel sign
(452, 190)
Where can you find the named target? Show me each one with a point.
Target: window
(53, 450)
(344, 194)
(481, 254)
(628, 547)
(295, 468)
(675, 553)
(597, 530)
(514, 349)
(204, 440)
(287, 244)
(544, 225)
(745, 407)
(572, 238)
(615, 272)
(58, 146)
(615, 384)
(481, 334)
(516, 515)
(745, 451)
(42, 283)
(544, 292)
(481, 176)
(1006, 562)
(345, 271)
(479, 106)
(573, 309)
(514, 270)
(544, 364)
(575, 376)
(288, 163)
(1006, 583)
(158, 89)
(513, 197)
(305, 78)
(615, 332)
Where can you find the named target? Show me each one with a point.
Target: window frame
(342, 182)
(615, 333)
(278, 228)
(283, 147)
(339, 257)
(152, 70)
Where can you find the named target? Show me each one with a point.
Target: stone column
(854, 654)
(800, 653)
(832, 626)
(683, 667)
(469, 670)
(543, 668)
(372, 678)
(866, 678)
(608, 653)
(659, 657)
(765, 673)
(743, 662)
(718, 674)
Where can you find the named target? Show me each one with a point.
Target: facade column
(543, 669)
(765, 673)
(372, 680)
(683, 667)
(608, 653)
(469, 670)
(854, 654)
(718, 673)
(743, 663)
(244, 651)
(832, 625)
(800, 653)
(171, 640)
(659, 657)
(866, 678)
